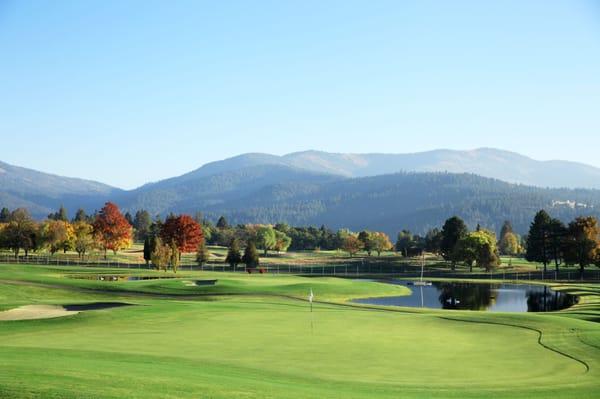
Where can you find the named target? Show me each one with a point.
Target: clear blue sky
(130, 91)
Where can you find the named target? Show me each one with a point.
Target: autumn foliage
(184, 231)
(112, 229)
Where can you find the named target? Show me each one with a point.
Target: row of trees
(455, 243)
(108, 230)
(282, 237)
(550, 240)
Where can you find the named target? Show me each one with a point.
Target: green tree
(506, 228)
(222, 223)
(404, 242)
(282, 241)
(149, 244)
(583, 242)
(80, 216)
(265, 238)
(174, 256)
(250, 258)
(21, 232)
(510, 245)
(480, 247)
(453, 231)
(83, 240)
(161, 255)
(234, 257)
(433, 240)
(141, 223)
(56, 234)
(61, 215)
(202, 254)
(380, 242)
(557, 239)
(365, 238)
(4, 215)
(538, 239)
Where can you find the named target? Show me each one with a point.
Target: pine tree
(453, 230)
(4, 215)
(80, 216)
(234, 257)
(62, 214)
(141, 224)
(148, 249)
(506, 228)
(538, 239)
(250, 258)
(129, 218)
(222, 223)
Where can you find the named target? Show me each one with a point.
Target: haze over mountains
(376, 191)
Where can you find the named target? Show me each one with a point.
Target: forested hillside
(42, 193)
(417, 201)
(259, 188)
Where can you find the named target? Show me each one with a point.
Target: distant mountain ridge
(487, 162)
(415, 200)
(377, 191)
(43, 192)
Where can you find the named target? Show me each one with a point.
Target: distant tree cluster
(550, 240)
(454, 243)
(106, 230)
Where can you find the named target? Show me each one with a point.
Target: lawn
(253, 336)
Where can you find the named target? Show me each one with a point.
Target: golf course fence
(354, 268)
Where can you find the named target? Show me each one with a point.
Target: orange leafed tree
(112, 229)
(184, 231)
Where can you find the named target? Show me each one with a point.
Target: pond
(477, 296)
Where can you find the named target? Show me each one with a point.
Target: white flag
(311, 296)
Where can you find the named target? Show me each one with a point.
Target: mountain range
(378, 191)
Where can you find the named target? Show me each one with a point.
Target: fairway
(255, 337)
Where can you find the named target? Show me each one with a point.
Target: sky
(126, 92)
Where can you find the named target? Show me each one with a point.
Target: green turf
(254, 337)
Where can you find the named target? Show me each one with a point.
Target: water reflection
(478, 296)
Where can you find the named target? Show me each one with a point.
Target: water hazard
(477, 296)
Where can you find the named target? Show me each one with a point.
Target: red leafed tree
(184, 231)
(112, 229)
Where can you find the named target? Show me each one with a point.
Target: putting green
(264, 345)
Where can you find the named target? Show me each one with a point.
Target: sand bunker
(31, 312)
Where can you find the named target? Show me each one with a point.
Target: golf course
(66, 333)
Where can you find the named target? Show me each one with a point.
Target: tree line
(106, 230)
(548, 241)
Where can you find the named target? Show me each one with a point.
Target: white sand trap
(31, 312)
